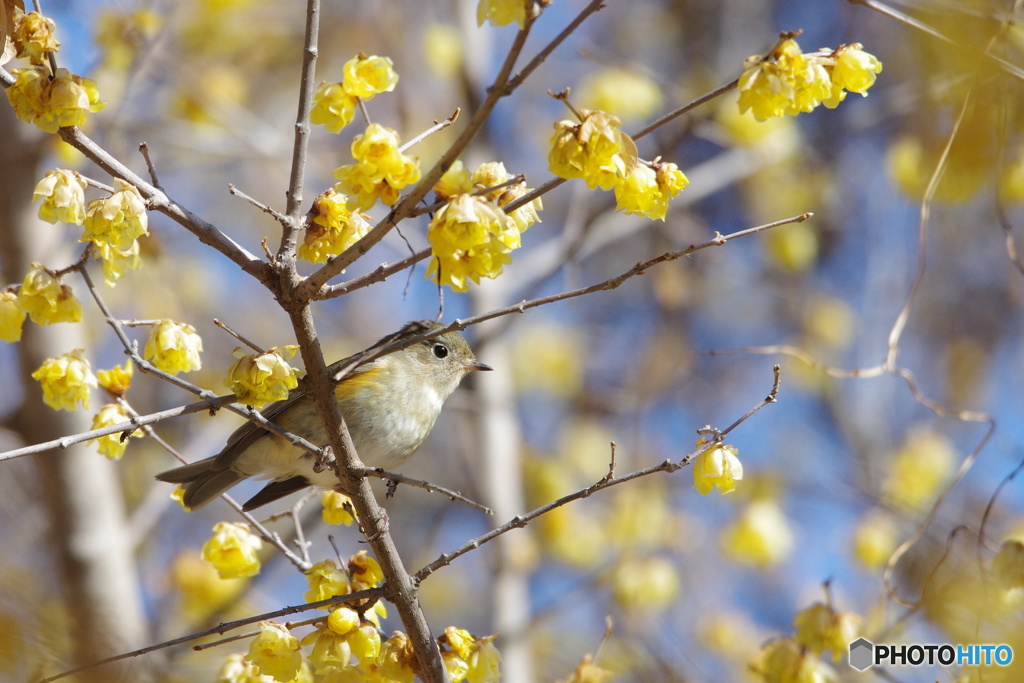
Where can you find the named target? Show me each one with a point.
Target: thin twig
(278, 216)
(144, 150)
(395, 478)
(520, 521)
(307, 84)
(438, 125)
(236, 335)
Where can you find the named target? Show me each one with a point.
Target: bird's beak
(476, 365)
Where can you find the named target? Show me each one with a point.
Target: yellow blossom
(232, 550)
(116, 262)
(342, 620)
(337, 508)
(874, 539)
(11, 317)
(333, 228)
(918, 470)
(380, 172)
(112, 446)
(202, 590)
(784, 661)
(623, 92)
(123, 34)
(760, 537)
(820, 628)
(363, 568)
(333, 107)
(456, 666)
(117, 379)
(331, 652)
(854, 70)
(63, 194)
(595, 150)
(716, 467)
(46, 300)
(260, 378)
(367, 76)
(588, 672)
(276, 652)
(492, 174)
(459, 640)
(485, 661)
(456, 180)
(397, 659)
(469, 238)
(645, 582)
(1008, 565)
(325, 580)
(178, 496)
(66, 380)
(501, 12)
(174, 347)
(645, 191)
(236, 669)
(365, 642)
(53, 103)
(118, 220)
(33, 36)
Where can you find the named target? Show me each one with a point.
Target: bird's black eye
(440, 351)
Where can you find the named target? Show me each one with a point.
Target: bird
(389, 404)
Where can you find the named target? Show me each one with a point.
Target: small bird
(389, 406)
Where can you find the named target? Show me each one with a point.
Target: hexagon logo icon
(861, 654)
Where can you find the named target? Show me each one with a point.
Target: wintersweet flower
(28, 94)
(397, 659)
(784, 661)
(646, 190)
(117, 379)
(333, 107)
(11, 317)
(46, 300)
(363, 568)
(501, 12)
(116, 262)
(174, 347)
(261, 378)
(456, 180)
(588, 672)
(470, 238)
(380, 171)
(337, 508)
(595, 149)
(232, 550)
(33, 36)
(332, 229)
(236, 669)
(918, 470)
(63, 195)
(111, 446)
(53, 103)
(874, 539)
(760, 537)
(276, 652)
(118, 220)
(493, 177)
(66, 381)
(456, 666)
(485, 661)
(820, 628)
(331, 652)
(1008, 565)
(367, 76)
(645, 583)
(325, 580)
(855, 70)
(718, 467)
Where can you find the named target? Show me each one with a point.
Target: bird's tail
(202, 480)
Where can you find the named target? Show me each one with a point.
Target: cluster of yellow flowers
(471, 236)
(788, 82)
(332, 227)
(380, 171)
(261, 378)
(51, 100)
(796, 658)
(596, 150)
(501, 12)
(334, 104)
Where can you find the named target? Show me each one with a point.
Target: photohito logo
(864, 654)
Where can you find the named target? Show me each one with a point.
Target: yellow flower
(397, 659)
(645, 582)
(784, 661)
(367, 76)
(1008, 565)
(263, 378)
(174, 347)
(469, 238)
(588, 672)
(117, 379)
(276, 652)
(363, 568)
(501, 12)
(456, 666)
(232, 550)
(116, 262)
(46, 300)
(33, 36)
(716, 467)
(874, 539)
(63, 194)
(341, 620)
(111, 446)
(53, 103)
(819, 628)
(456, 180)
(380, 172)
(760, 537)
(11, 317)
(365, 643)
(325, 580)
(459, 640)
(118, 220)
(337, 508)
(595, 150)
(493, 174)
(202, 591)
(918, 470)
(66, 381)
(622, 91)
(645, 191)
(123, 34)
(236, 669)
(854, 69)
(332, 229)
(485, 661)
(331, 652)
(333, 107)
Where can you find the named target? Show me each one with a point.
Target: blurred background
(837, 474)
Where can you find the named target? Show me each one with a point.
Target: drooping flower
(66, 381)
(717, 467)
(276, 652)
(469, 238)
(332, 229)
(233, 550)
(368, 76)
(33, 36)
(380, 171)
(11, 317)
(63, 195)
(261, 378)
(46, 300)
(174, 347)
(111, 446)
(118, 220)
